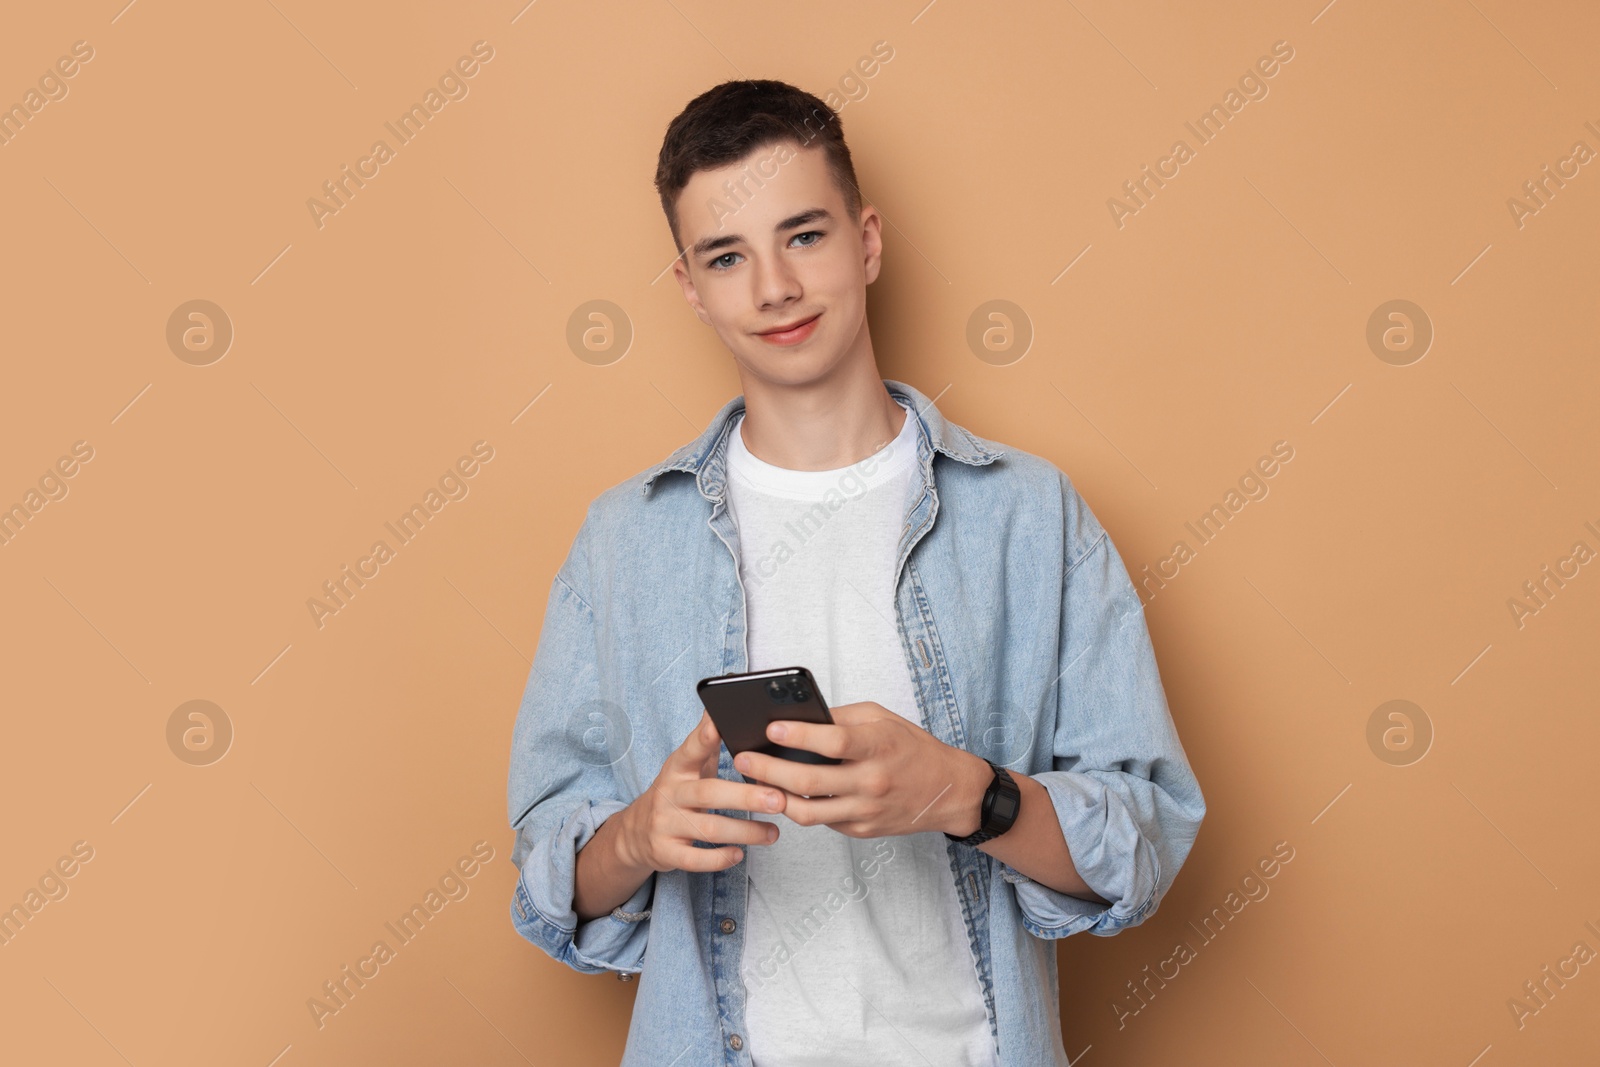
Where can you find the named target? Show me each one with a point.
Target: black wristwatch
(1001, 803)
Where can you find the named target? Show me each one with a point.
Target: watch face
(1005, 807)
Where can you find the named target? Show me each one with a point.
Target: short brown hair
(729, 121)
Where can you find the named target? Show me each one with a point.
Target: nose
(775, 284)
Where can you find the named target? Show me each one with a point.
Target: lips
(793, 333)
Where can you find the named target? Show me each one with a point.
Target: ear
(680, 270)
(871, 241)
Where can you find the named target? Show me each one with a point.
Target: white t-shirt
(854, 948)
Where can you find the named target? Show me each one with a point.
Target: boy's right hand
(672, 814)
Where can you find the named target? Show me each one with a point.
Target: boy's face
(781, 254)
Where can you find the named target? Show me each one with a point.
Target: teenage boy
(1011, 774)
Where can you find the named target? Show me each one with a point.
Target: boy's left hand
(896, 777)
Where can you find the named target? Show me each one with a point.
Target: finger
(726, 830)
(702, 740)
(825, 739)
(690, 858)
(815, 811)
(708, 766)
(686, 818)
(808, 779)
(857, 713)
(730, 795)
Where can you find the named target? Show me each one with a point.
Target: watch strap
(1002, 802)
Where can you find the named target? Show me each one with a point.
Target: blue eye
(718, 265)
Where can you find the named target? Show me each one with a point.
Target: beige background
(370, 754)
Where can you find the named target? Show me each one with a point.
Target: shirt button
(624, 976)
(736, 1042)
(727, 926)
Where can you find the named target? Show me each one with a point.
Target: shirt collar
(706, 455)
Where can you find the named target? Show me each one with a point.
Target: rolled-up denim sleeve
(561, 788)
(1127, 799)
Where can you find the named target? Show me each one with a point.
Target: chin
(798, 369)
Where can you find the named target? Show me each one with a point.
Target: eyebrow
(793, 222)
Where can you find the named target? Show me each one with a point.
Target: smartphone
(741, 706)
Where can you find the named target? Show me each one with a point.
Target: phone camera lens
(801, 695)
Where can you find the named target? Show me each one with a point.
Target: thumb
(703, 739)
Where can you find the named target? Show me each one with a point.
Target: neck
(821, 425)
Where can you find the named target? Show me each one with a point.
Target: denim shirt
(1027, 646)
